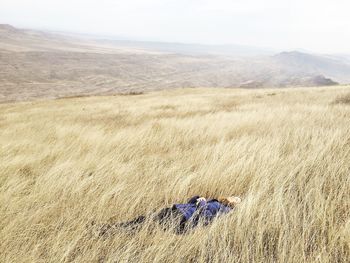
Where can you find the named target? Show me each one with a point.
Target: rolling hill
(36, 64)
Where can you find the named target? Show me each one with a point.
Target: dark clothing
(181, 217)
(167, 218)
(212, 209)
(171, 218)
(204, 211)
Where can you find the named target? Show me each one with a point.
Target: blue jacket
(204, 211)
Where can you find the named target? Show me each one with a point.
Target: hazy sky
(317, 25)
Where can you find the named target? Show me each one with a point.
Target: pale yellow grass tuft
(67, 163)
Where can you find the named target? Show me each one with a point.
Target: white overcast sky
(316, 25)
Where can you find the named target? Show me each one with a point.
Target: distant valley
(36, 64)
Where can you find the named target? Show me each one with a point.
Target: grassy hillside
(66, 163)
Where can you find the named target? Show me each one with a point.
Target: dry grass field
(68, 162)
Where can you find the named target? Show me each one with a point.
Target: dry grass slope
(343, 99)
(65, 163)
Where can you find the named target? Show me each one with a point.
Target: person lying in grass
(182, 217)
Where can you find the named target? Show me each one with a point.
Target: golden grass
(66, 163)
(343, 99)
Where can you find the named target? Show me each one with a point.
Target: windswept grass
(343, 99)
(67, 163)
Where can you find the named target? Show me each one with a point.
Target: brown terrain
(36, 64)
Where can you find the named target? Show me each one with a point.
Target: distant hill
(50, 64)
(8, 28)
(299, 62)
(14, 39)
(25, 40)
(193, 49)
(20, 40)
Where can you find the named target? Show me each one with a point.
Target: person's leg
(137, 222)
(171, 218)
(104, 229)
(128, 225)
(181, 228)
(163, 216)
